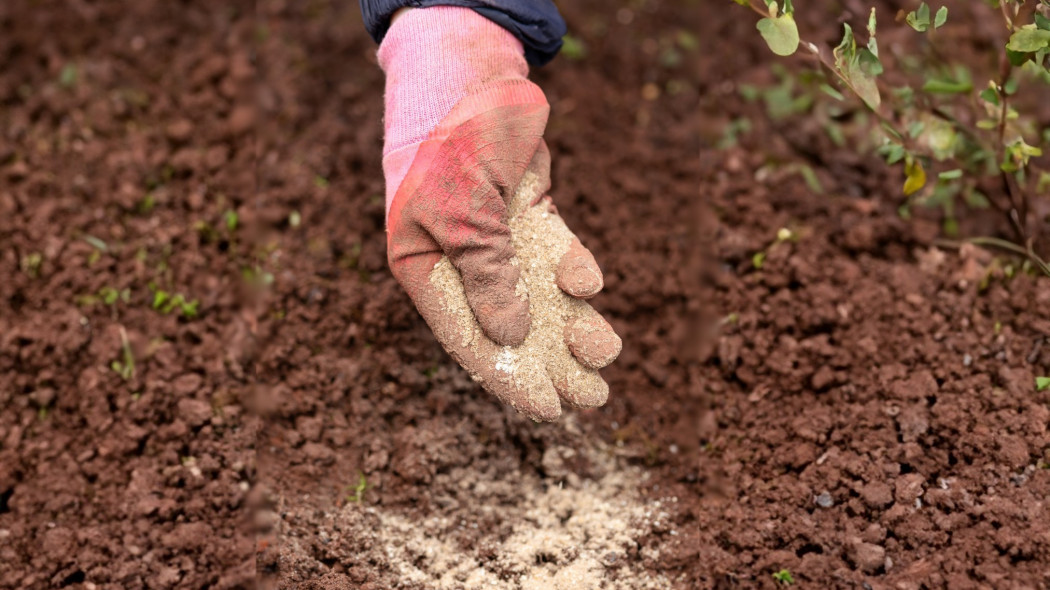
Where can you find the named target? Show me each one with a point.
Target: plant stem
(1027, 252)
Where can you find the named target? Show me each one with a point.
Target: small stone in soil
(824, 500)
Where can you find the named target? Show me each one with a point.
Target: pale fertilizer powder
(540, 240)
(574, 534)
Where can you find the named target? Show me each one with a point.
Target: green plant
(1042, 383)
(359, 489)
(573, 48)
(67, 78)
(31, 263)
(125, 367)
(231, 219)
(784, 577)
(99, 247)
(953, 138)
(106, 295)
(783, 235)
(166, 302)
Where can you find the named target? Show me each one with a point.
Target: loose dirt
(556, 531)
(866, 416)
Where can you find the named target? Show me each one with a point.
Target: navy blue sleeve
(536, 23)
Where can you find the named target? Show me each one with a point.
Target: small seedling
(294, 219)
(359, 489)
(573, 48)
(126, 366)
(784, 577)
(67, 78)
(206, 231)
(99, 247)
(231, 219)
(111, 295)
(147, 204)
(758, 260)
(165, 303)
(31, 264)
(732, 132)
(1042, 383)
(320, 181)
(256, 277)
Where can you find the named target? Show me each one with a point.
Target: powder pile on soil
(540, 240)
(563, 532)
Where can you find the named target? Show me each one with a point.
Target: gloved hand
(466, 173)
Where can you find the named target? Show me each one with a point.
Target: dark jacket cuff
(536, 23)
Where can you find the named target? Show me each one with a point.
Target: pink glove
(464, 128)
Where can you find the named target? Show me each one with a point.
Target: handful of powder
(544, 369)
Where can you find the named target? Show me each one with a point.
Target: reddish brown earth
(866, 418)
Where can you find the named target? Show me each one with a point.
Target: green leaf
(990, 94)
(574, 49)
(950, 174)
(1042, 383)
(1042, 22)
(941, 17)
(915, 176)
(858, 69)
(780, 33)
(1027, 40)
(919, 19)
(68, 76)
(894, 154)
(947, 86)
(160, 298)
(833, 93)
(96, 243)
(231, 219)
(1017, 58)
(758, 259)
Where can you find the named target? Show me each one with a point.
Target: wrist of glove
(471, 235)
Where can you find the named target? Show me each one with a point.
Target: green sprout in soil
(1042, 383)
(784, 577)
(31, 264)
(573, 48)
(206, 231)
(67, 78)
(99, 248)
(758, 260)
(256, 276)
(732, 132)
(783, 235)
(126, 366)
(294, 219)
(166, 302)
(231, 219)
(320, 181)
(147, 204)
(359, 489)
(106, 295)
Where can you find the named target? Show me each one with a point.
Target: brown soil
(141, 482)
(867, 416)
